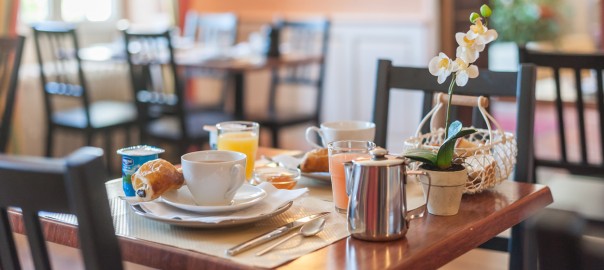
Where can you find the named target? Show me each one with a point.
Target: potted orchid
(448, 178)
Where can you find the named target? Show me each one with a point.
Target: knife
(254, 242)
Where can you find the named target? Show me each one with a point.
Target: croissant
(315, 161)
(154, 178)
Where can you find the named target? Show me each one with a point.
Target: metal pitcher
(377, 209)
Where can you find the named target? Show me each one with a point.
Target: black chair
(74, 185)
(63, 80)
(159, 94)
(11, 49)
(296, 37)
(575, 63)
(562, 243)
(520, 85)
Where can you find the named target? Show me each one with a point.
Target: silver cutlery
(261, 239)
(309, 229)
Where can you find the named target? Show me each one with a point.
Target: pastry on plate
(316, 160)
(154, 178)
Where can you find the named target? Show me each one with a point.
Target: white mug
(341, 130)
(213, 176)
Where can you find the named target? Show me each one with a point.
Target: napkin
(275, 198)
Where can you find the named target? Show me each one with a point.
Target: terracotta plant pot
(447, 189)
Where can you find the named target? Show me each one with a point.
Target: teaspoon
(309, 229)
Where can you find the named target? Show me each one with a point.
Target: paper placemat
(216, 241)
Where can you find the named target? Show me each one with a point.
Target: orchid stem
(451, 85)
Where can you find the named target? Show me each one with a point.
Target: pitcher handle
(425, 205)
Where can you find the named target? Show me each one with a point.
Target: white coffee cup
(341, 130)
(213, 176)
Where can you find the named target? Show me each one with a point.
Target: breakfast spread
(154, 178)
(316, 160)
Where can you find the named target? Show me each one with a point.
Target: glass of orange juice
(339, 153)
(240, 136)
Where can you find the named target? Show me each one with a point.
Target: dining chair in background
(63, 80)
(11, 50)
(159, 92)
(310, 38)
(520, 85)
(75, 185)
(562, 243)
(215, 31)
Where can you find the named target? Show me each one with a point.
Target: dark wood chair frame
(74, 185)
(520, 85)
(295, 76)
(63, 87)
(11, 50)
(577, 63)
(153, 105)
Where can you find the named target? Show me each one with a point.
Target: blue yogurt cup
(132, 158)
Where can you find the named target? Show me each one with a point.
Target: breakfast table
(431, 242)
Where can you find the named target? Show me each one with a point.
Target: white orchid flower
(464, 72)
(480, 33)
(442, 66)
(468, 49)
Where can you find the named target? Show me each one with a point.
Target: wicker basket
(488, 155)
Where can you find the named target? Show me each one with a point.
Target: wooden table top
(431, 241)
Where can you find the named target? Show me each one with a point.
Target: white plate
(246, 196)
(323, 176)
(199, 224)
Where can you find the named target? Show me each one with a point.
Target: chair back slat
(74, 185)
(9, 258)
(35, 237)
(577, 66)
(581, 116)
(600, 106)
(560, 115)
(11, 50)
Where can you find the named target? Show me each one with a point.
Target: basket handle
(460, 100)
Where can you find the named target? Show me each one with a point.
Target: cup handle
(237, 172)
(425, 205)
(309, 136)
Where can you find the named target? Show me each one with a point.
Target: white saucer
(246, 196)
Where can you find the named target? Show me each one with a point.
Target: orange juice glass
(240, 136)
(339, 153)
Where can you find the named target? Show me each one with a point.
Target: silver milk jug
(377, 209)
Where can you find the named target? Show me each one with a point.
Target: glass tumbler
(240, 136)
(339, 153)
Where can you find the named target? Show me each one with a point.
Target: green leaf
(444, 157)
(473, 17)
(454, 128)
(485, 11)
(421, 155)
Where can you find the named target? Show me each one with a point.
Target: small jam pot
(132, 158)
(280, 177)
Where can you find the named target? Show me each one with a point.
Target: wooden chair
(562, 243)
(74, 185)
(11, 49)
(296, 37)
(577, 64)
(159, 94)
(520, 85)
(63, 79)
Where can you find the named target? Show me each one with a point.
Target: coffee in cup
(340, 131)
(213, 176)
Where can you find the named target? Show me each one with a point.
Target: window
(67, 10)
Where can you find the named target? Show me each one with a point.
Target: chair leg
(108, 152)
(49, 140)
(88, 134)
(275, 137)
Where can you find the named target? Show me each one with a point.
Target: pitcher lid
(379, 158)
